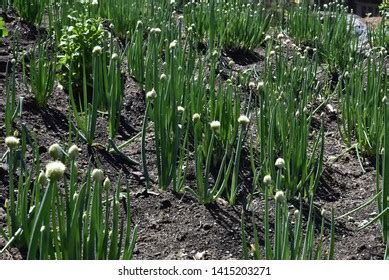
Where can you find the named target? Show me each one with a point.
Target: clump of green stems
(124, 15)
(360, 91)
(287, 242)
(228, 25)
(283, 120)
(56, 217)
(31, 11)
(383, 185)
(41, 72)
(379, 36)
(330, 31)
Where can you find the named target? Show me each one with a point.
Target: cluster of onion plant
(379, 35)
(360, 91)
(228, 25)
(290, 241)
(124, 15)
(58, 216)
(286, 98)
(330, 30)
(39, 71)
(383, 185)
(32, 11)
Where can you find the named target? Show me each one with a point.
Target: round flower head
(55, 151)
(55, 170)
(97, 175)
(280, 196)
(251, 85)
(195, 117)
(42, 179)
(180, 109)
(163, 77)
(73, 152)
(97, 50)
(267, 179)
(115, 56)
(12, 142)
(280, 163)
(107, 183)
(173, 44)
(243, 120)
(151, 94)
(215, 125)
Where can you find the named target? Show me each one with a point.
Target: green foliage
(31, 11)
(290, 241)
(76, 46)
(3, 29)
(41, 72)
(80, 220)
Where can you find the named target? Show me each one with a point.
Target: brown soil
(175, 226)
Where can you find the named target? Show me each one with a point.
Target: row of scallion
(200, 121)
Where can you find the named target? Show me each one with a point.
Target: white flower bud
(42, 179)
(55, 170)
(73, 152)
(97, 50)
(97, 175)
(280, 196)
(243, 120)
(180, 109)
(55, 151)
(152, 94)
(215, 125)
(280, 163)
(11, 142)
(195, 117)
(267, 179)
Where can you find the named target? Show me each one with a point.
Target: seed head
(280, 163)
(115, 56)
(280, 196)
(97, 175)
(163, 77)
(97, 50)
(55, 170)
(152, 94)
(267, 179)
(42, 179)
(195, 117)
(215, 125)
(173, 44)
(243, 120)
(107, 183)
(12, 142)
(73, 152)
(55, 151)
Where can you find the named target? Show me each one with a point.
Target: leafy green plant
(75, 50)
(3, 29)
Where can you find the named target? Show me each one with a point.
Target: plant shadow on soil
(175, 226)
